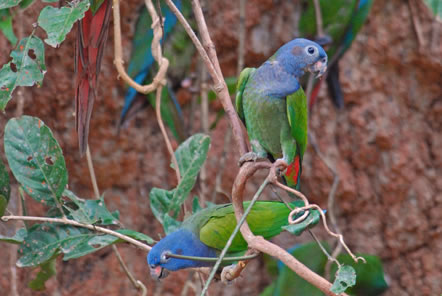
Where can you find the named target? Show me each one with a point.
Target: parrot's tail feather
(293, 173)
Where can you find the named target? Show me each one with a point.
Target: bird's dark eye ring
(311, 50)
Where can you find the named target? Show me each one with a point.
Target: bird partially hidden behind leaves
(92, 34)
(205, 233)
(272, 104)
(342, 20)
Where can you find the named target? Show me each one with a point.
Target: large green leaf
(26, 68)
(311, 220)
(8, 3)
(160, 201)
(18, 237)
(5, 188)
(35, 158)
(58, 22)
(47, 270)
(90, 211)
(44, 241)
(190, 155)
(6, 26)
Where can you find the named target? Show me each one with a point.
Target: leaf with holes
(18, 237)
(9, 3)
(47, 270)
(435, 6)
(48, 240)
(190, 155)
(6, 26)
(26, 68)
(58, 22)
(35, 159)
(311, 220)
(90, 211)
(5, 188)
(345, 277)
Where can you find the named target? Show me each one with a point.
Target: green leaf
(58, 22)
(6, 26)
(25, 3)
(47, 270)
(5, 188)
(35, 158)
(26, 68)
(46, 241)
(196, 205)
(370, 277)
(90, 211)
(190, 155)
(16, 239)
(8, 3)
(311, 220)
(435, 6)
(345, 277)
(160, 201)
(95, 4)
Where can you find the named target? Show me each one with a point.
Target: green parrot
(272, 104)
(205, 233)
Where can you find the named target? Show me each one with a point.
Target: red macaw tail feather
(293, 173)
(92, 33)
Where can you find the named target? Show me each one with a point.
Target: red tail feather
(91, 37)
(293, 171)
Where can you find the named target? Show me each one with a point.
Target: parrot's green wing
(297, 116)
(241, 85)
(265, 219)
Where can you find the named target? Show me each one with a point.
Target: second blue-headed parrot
(205, 233)
(273, 106)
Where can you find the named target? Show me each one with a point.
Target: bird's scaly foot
(281, 165)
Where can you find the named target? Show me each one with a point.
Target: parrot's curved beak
(158, 272)
(319, 67)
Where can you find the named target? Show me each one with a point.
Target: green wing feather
(241, 85)
(265, 219)
(298, 119)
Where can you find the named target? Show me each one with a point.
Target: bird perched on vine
(272, 104)
(342, 20)
(91, 38)
(205, 233)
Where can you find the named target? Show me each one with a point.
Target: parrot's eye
(164, 257)
(311, 50)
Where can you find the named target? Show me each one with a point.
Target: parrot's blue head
(301, 55)
(180, 242)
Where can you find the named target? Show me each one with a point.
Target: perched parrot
(272, 104)
(141, 66)
(205, 233)
(342, 20)
(91, 38)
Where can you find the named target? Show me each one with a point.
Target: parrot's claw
(226, 274)
(249, 156)
(281, 165)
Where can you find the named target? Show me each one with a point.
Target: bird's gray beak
(158, 272)
(319, 67)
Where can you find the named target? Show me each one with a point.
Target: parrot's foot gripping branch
(250, 156)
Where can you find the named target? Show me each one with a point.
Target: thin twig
(220, 86)
(136, 283)
(205, 129)
(90, 166)
(78, 224)
(416, 24)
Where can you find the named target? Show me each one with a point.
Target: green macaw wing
(265, 219)
(297, 116)
(241, 85)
